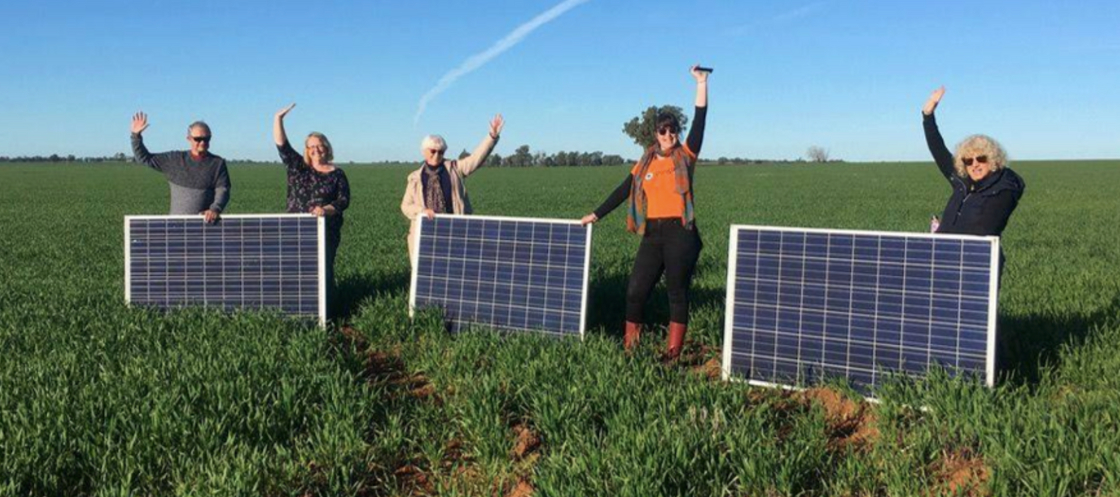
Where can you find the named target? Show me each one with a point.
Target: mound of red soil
(522, 489)
(526, 442)
(851, 424)
(961, 473)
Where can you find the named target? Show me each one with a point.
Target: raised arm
(477, 158)
(615, 199)
(139, 151)
(941, 154)
(288, 155)
(701, 85)
(278, 134)
(696, 135)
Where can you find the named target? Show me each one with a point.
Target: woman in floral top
(315, 186)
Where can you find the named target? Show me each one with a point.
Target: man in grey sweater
(198, 179)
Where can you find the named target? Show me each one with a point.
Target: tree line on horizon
(641, 129)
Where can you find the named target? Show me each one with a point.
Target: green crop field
(100, 399)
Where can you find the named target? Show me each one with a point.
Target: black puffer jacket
(975, 208)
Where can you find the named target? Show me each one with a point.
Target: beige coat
(412, 204)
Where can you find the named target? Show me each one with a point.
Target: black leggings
(669, 248)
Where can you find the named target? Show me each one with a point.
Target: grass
(100, 399)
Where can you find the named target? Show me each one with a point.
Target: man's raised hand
(139, 123)
(496, 125)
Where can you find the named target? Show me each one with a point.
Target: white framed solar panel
(804, 305)
(505, 273)
(242, 262)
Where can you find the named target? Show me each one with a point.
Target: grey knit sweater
(196, 184)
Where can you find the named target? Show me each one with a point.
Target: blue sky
(850, 76)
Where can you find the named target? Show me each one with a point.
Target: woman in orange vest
(659, 191)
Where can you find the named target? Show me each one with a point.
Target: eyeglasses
(667, 130)
(201, 139)
(982, 159)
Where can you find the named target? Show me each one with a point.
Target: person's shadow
(353, 289)
(607, 301)
(1027, 345)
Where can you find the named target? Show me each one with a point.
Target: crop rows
(100, 399)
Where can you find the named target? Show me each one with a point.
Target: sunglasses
(201, 139)
(435, 152)
(982, 159)
(667, 130)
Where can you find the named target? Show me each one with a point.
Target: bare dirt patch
(712, 370)
(524, 454)
(522, 489)
(414, 481)
(851, 424)
(961, 472)
(695, 353)
(526, 442)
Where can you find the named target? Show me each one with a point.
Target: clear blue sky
(851, 76)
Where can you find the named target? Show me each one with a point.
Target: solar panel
(513, 274)
(808, 304)
(271, 261)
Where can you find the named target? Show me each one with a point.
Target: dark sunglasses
(983, 159)
(667, 130)
(201, 139)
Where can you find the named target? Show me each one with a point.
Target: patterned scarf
(682, 165)
(433, 189)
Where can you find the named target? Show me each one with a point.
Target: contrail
(478, 60)
(803, 11)
(799, 12)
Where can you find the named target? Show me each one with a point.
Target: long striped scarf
(682, 164)
(433, 189)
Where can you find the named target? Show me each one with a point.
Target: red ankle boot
(676, 340)
(633, 333)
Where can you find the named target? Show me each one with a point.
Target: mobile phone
(704, 69)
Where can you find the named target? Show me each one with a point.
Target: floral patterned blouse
(309, 188)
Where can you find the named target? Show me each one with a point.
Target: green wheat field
(97, 398)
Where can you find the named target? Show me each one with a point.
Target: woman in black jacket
(985, 190)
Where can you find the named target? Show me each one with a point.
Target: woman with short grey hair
(438, 186)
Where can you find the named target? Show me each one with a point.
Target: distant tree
(119, 156)
(522, 157)
(593, 159)
(545, 160)
(613, 160)
(495, 160)
(643, 128)
(817, 154)
(567, 158)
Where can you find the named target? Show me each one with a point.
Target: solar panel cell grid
(803, 304)
(505, 273)
(241, 262)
